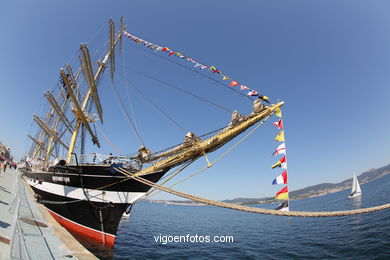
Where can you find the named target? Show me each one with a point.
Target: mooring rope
(252, 209)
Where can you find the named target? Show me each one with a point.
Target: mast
(38, 144)
(38, 149)
(48, 131)
(53, 130)
(92, 91)
(59, 111)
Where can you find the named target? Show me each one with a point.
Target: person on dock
(5, 166)
(12, 164)
(2, 159)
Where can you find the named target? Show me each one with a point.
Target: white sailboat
(356, 191)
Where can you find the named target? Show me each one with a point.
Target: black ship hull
(88, 200)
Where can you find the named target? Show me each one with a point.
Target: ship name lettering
(60, 179)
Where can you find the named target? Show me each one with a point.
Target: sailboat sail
(356, 191)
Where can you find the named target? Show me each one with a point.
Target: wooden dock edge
(66, 238)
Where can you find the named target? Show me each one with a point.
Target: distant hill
(308, 192)
(320, 189)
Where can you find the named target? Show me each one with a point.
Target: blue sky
(328, 60)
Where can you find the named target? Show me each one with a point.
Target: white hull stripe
(80, 224)
(93, 195)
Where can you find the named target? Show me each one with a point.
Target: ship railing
(90, 158)
(130, 162)
(180, 147)
(37, 164)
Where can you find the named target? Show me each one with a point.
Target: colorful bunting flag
(279, 124)
(280, 136)
(278, 112)
(233, 83)
(197, 64)
(281, 179)
(252, 93)
(281, 149)
(283, 206)
(282, 194)
(265, 98)
(281, 163)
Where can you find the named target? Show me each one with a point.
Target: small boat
(356, 191)
(283, 206)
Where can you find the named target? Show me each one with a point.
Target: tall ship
(85, 191)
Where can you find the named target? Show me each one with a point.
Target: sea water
(365, 236)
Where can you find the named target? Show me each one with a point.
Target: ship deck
(27, 230)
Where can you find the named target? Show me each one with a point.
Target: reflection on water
(101, 251)
(356, 219)
(357, 202)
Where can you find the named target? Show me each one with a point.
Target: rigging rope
(252, 209)
(107, 139)
(170, 176)
(220, 157)
(218, 83)
(157, 107)
(124, 111)
(127, 90)
(179, 89)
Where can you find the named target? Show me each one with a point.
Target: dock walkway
(27, 231)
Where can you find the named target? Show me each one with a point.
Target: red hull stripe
(100, 237)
